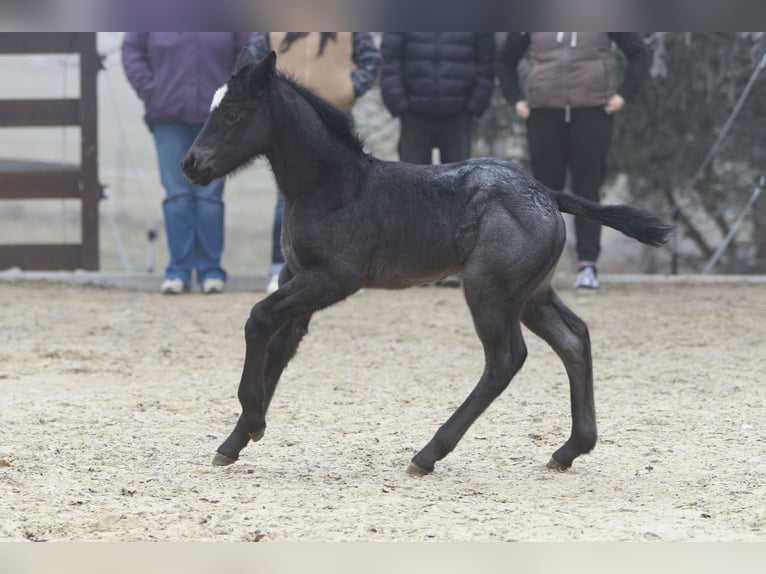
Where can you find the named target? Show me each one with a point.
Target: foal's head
(238, 128)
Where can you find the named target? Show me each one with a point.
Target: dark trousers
(421, 133)
(579, 146)
(277, 260)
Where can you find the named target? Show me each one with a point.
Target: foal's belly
(407, 269)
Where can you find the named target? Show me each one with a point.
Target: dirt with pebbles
(112, 403)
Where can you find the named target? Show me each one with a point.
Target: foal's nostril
(188, 162)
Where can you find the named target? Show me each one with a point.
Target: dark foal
(353, 221)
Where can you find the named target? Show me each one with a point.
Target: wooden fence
(33, 180)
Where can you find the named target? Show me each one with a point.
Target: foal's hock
(352, 221)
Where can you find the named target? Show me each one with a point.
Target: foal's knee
(504, 367)
(258, 325)
(518, 357)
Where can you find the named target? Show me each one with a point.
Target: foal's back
(430, 217)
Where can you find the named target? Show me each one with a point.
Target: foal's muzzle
(194, 169)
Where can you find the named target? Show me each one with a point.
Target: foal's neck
(305, 154)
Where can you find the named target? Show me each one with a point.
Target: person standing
(570, 97)
(339, 66)
(436, 83)
(175, 74)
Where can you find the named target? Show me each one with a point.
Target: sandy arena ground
(114, 401)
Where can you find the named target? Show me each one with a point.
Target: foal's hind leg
(547, 316)
(499, 329)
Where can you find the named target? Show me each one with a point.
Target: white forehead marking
(218, 96)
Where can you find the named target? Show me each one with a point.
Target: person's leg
(415, 139)
(547, 140)
(454, 138)
(277, 259)
(210, 232)
(590, 138)
(178, 208)
(209, 226)
(452, 135)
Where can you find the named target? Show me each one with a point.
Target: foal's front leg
(285, 312)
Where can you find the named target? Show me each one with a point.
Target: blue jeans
(194, 215)
(277, 260)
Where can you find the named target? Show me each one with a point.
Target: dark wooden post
(91, 188)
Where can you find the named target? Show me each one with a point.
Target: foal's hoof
(222, 460)
(414, 470)
(553, 464)
(257, 435)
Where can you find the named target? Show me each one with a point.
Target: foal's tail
(631, 221)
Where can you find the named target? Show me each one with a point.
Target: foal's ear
(245, 57)
(270, 64)
(263, 72)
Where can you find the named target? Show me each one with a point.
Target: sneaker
(172, 287)
(587, 278)
(212, 286)
(273, 284)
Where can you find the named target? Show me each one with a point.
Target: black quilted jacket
(437, 73)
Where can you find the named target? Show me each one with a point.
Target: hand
(615, 104)
(522, 109)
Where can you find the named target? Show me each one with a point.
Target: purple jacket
(176, 73)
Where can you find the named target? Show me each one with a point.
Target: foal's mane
(337, 121)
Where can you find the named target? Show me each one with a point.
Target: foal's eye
(231, 116)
